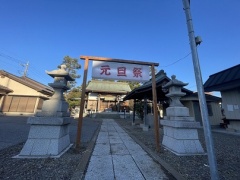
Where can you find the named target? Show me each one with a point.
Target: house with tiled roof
(227, 82)
(106, 95)
(21, 95)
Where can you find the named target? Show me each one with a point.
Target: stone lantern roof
(61, 77)
(174, 82)
(60, 73)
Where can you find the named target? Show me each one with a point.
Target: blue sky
(44, 31)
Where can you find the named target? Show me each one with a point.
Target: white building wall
(231, 104)
(216, 118)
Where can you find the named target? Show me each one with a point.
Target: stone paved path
(117, 156)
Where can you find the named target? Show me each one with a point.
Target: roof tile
(108, 86)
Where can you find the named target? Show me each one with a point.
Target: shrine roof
(146, 89)
(108, 86)
(194, 97)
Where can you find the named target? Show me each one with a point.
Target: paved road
(14, 130)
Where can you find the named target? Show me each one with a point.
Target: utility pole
(26, 69)
(201, 94)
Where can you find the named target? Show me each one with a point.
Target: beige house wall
(21, 91)
(18, 88)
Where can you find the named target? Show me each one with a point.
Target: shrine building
(106, 96)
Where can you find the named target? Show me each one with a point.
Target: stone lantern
(180, 130)
(176, 108)
(56, 105)
(49, 130)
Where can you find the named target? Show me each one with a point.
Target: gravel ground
(64, 167)
(59, 168)
(227, 150)
(190, 167)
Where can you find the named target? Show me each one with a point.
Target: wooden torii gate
(154, 93)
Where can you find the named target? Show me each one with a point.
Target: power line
(25, 72)
(176, 61)
(11, 58)
(9, 64)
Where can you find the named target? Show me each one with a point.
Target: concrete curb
(82, 166)
(165, 165)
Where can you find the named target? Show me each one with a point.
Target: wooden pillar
(80, 119)
(155, 111)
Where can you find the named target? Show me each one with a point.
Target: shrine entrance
(119, 69)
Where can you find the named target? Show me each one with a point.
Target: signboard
(120, 71)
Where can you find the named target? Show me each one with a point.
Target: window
(19, 104)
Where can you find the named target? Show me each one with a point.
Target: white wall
(231, 103)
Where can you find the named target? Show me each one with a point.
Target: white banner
(120, 71)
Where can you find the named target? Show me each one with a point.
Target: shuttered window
(6, 103)
(31, 104)
(22, 104)
(19, 104)
(14, 104)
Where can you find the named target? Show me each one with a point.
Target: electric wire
(176, 61)
(11, 58)
(192, 86)
(15, 64)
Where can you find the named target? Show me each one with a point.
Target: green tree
(72, 67)
(132, 84)
(73, 96)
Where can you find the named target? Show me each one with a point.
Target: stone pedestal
(181, 136)
(48, 136)
(180, 130)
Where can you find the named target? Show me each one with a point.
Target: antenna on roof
(26, 69)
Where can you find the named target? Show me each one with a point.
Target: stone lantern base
(181, 136)
(48, 137)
